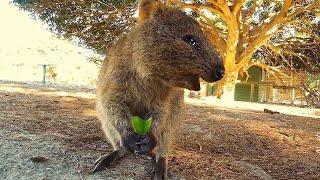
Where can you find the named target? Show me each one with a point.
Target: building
(264, 87)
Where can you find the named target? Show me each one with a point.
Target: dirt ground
(51, 132)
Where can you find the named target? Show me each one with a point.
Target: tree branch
(309, 31)
(278, 51)
(243, 33)
(252, 10)
(232, 39)
(214, 36)
(198, 6)
(302, 9)
(264, 35)
(277, 20)
(237, 6)
(246, 14)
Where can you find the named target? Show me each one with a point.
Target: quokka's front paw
(141, 144)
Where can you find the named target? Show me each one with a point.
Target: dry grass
(214, 143)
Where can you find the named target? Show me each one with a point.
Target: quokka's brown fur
(144, 74)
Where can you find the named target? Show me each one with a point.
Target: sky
(26, 43)
(18, 32)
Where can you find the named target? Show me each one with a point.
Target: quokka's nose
(219, 73)
(216, 73)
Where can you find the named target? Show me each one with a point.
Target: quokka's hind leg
(115, 126)
(118, 152)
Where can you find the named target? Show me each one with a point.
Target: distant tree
(94, 23)
(312, 89)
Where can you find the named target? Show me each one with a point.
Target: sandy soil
(50, 132)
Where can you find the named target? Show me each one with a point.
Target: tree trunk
(229, 87)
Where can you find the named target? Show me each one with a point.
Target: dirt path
(58, 126)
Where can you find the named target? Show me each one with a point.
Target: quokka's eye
(190, 40)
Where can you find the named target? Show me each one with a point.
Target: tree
(93, 23)
(242, 29)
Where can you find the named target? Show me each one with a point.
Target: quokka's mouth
(190, 82)
(193, 83)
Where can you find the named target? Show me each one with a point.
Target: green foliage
(141, 126)
(92, 23)
(313, 81)
(312, 88)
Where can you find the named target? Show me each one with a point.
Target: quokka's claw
(105, 160)
(99, 159)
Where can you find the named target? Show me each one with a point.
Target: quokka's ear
(146, 8)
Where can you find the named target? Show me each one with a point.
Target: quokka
(144, 75)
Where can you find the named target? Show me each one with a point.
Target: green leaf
(141, 126)
(137, 124)
(147, 125)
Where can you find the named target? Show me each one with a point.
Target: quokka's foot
(140, 144)
(160, 172)
(105, 160)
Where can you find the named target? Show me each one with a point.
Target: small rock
(270, 111)
(39, 159)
